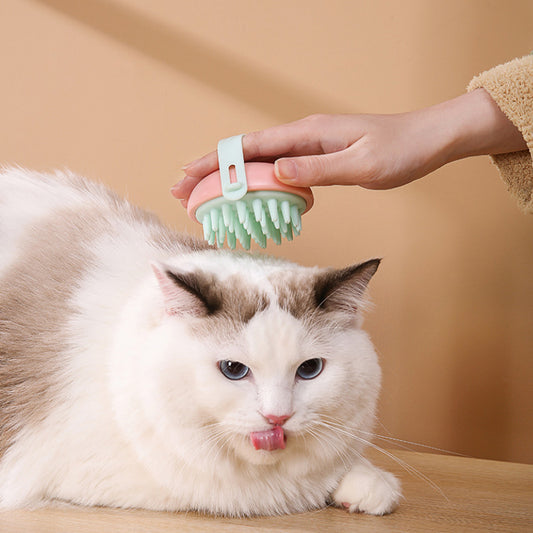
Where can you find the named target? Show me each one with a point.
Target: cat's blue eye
(310, 369)
(233, 369)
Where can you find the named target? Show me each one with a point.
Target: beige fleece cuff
(511, 87)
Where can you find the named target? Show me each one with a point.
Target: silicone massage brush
(243, 201)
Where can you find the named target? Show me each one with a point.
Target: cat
(141, 368)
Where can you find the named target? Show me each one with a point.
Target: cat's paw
(368, 489)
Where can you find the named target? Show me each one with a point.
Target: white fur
(24, 202)
(368, 489)
(146, 419)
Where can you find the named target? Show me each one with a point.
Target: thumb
(327, 169)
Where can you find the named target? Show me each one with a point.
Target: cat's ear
(343, 290)
(184, 293)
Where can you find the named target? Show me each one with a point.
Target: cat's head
(256, 359)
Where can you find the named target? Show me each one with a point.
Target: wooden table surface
(462, 495)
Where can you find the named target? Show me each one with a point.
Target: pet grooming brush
(243, 201)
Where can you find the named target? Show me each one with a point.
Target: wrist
(477, 126)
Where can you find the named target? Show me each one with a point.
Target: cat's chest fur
(140, 368)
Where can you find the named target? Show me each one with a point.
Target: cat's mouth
(269, 440)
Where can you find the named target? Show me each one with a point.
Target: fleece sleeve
(511, 87)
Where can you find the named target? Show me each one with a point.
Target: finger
(301, 137)
(338, 168)
(252, 147)
(183, 189)
(263, 145)
(295, 138)
(203, 166)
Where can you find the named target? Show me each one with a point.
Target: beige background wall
(127, 91)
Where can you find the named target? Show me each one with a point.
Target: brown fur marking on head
(231, 300)
(295, 290)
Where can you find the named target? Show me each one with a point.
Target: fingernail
(285, 170)
(176, 191)
(189, 164)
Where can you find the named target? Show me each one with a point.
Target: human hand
(373, 151)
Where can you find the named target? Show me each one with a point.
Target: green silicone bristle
(258, 215)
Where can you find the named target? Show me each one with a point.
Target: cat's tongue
(270, 439)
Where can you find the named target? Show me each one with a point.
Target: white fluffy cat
(141, 368)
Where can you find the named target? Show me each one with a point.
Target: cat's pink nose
(277, 420)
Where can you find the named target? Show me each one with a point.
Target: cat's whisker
(400, 442)
(204, 451)
(336, 426)
(326, 437)
(218, 441)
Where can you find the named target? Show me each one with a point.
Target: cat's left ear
(343, 290)
(183, 293)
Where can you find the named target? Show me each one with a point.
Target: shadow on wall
(185, 54)
(479, 401)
